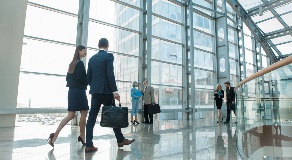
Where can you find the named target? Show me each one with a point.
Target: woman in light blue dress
(135, 94)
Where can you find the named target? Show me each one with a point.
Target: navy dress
(77, 83)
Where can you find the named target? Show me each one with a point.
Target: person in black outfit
(103, 88)
(77, 99)
(230, 100)
(219, 95)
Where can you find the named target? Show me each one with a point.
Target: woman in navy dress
(219, 95)
(77, 100)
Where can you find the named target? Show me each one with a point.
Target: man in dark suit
(103, 88)
(230, 100)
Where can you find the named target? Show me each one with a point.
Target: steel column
(149, 40)
(185, 66)
(242, 61)
(82, 35)
(192, 58)
(222, 46)
(142, 49)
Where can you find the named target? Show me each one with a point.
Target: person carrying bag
(114, 117)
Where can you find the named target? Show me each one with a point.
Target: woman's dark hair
(103, 43)
(76, 58)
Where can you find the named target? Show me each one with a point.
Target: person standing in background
(77, 100)
(148, 94)
(135, 94)
(219, 95)
(230, 100)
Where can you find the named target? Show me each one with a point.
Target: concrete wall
(12, 21)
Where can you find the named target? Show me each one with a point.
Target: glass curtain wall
(48, 48)
(204, 55)
(167, 54)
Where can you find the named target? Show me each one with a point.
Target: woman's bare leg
(71, 115)
(82, 123)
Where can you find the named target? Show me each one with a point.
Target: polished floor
(201, 139)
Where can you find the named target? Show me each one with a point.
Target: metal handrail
(268, 69)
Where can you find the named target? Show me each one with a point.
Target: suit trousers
(147, 116)
(228, 104)
(96, 101)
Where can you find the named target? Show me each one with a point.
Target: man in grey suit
(148, 95)
(103, 88)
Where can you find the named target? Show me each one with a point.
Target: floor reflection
(165, 139)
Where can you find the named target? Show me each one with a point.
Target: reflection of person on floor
(148, 142)
(275, 96)
(220, 149)
(51, 155)
(122, 154)
(232, 148)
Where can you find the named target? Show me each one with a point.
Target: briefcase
(114, 117)
(153, 108)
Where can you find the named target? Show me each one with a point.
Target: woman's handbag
(114, 117)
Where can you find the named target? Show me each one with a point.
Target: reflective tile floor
(200, 139)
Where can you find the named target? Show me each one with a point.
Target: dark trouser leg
(119, 135)
(146, 113)
(228, 112)
(151, 118)
(95, 106)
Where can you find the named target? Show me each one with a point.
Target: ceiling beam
(236, 6)
(286, 32)
(255, 10)
(279, 15)
(278, 33)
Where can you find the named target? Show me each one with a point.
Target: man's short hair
(103, 43)
(228, 83)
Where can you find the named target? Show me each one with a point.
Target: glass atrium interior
(184, 48)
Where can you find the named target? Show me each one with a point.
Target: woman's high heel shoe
(50, 139)
(81, 140)
(136, 122)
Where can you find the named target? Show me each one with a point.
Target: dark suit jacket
(230, 95)
(100, 73)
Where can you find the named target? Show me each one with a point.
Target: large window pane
(61, 5)
(204, 79)
(204, 60)
(46, 57)
(168, 9)
(114, 13)
(166, 29)
(41, 91)
(126, 68)
(167, 74)
(204, 98)
(50, 25)
(203, 41)
(168, 97)
(166, 51)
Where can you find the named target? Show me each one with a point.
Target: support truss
(253, 28)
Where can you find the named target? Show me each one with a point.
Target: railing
(264, 112)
